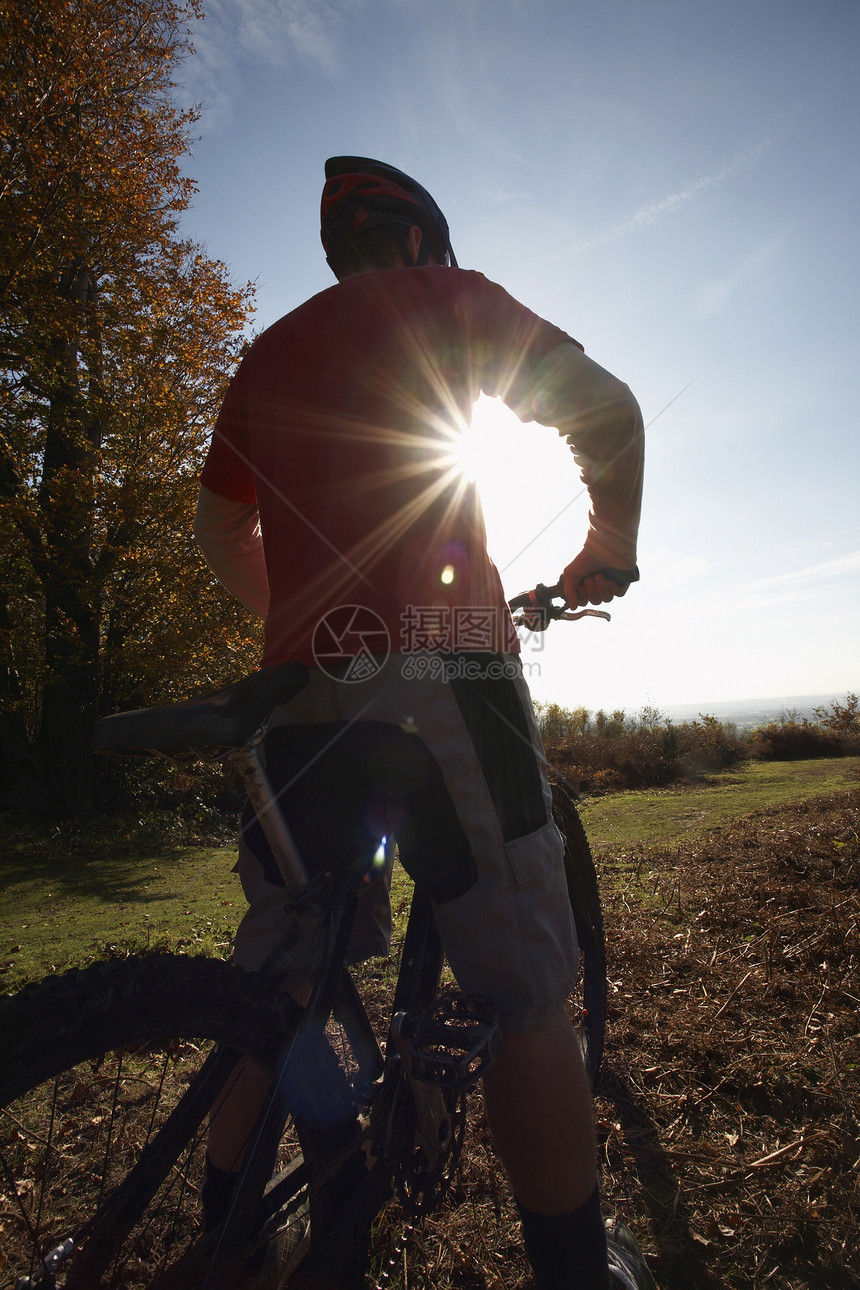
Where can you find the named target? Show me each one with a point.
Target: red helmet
(361, 194)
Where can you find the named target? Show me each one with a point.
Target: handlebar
(539, 610)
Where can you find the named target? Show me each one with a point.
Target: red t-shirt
(339, 425)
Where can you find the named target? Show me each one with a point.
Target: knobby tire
(588, 1004)
(91, 1066)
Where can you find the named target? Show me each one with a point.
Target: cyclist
(330, 505)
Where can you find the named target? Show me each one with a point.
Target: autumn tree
(116, 339)
(841, 720)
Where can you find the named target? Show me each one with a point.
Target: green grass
(62, 910)
(67, 900)
(667, 815)
(76, 896)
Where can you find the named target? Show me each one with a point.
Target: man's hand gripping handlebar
(536, 609)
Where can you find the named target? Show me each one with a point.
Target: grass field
(64, 905)
(727, 1113)
(67, 899)
(61, 910)
(669, 814)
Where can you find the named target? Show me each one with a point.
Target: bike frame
(377, 1082)
(313, 947)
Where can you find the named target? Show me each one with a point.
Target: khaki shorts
(510, 935)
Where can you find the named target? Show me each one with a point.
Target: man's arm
(228, 534)
(602, 422)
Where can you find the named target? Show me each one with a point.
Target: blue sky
(675, 184)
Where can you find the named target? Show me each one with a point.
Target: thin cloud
(272, 32)
(830, 569)
(279, 29)
(650, 214)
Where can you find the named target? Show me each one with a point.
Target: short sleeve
(227, 470)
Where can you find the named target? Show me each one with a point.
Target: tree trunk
(21, 785)
(69, 701)
(69, 578)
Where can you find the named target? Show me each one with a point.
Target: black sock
(567, 1251)
(216, 1194)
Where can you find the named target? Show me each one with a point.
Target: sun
(480, 450)
(527, 479)
(472, 449)
(505, 457)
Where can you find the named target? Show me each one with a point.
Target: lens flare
(379, 858)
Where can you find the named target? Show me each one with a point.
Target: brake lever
(538, 619)
(568, 616)
(537, 616)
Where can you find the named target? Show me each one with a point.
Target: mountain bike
(110, 1075)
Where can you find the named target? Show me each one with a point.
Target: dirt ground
(729, 1103)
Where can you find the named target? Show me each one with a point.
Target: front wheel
(108, 1077)
(588, 1001)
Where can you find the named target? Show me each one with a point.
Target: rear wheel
(588, 1001)
(107, 1079)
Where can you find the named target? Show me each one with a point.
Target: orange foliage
(117, 339)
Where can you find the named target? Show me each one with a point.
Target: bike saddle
(223, 719)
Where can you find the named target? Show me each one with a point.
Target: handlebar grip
(520, 602)
(621, 577)
(542, 597)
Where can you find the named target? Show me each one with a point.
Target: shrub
(709, 744)
(604, 752)
(790, 739)
(198, 801)
(636, 758)
(842, 720)
(556, 722)
(610, 725)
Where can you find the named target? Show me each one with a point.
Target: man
(330, 505)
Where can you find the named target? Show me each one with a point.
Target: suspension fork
(421, 961)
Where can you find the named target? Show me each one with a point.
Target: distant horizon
(768, 703)
(715, 707)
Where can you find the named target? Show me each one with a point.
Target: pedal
(451, 1044)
